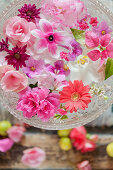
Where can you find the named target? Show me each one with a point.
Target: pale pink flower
(85, 165)
(105, 45)
(14, 81)
(16, 132)
(48, 39)
(6, 144)
(18, 31)
(33, 157)
(4, 69)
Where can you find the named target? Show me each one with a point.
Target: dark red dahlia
(17, 57)
(29, 12)
(4, 45)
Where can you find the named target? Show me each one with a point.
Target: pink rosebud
(15, 133)
(6, 145)
(89, 146)
(33, 157)
(84, 166)
(94, 21)
(14, 81)
(4, 70)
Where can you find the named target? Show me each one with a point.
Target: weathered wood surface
(55, 158)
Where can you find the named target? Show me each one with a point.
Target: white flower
(84, 69)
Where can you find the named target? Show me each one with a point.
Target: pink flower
(6, 144)
(89, 146)
(48, 39)
(18, 31)
(78, 137)
(40, 102)
(15, 133)
(83, 26)
(62, 112)
(75, 95)
(84, 166)
(106, 47)
(33, 157)
(14, 81)
(93, 21)
(4, 69)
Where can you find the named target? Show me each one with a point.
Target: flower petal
(105, 40)
(52, 48)
(45, 26)
(109, 49)
(94, 55)
(91, 39)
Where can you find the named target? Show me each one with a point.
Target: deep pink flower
(62, 112)
(85, 165)
(29, 12)
(40, 102)
(6, 144)
(102, 29)
(64, 56)
(83, 26)
(16, 132)
(89, 146)
(33, 157)
(48, 38)
(17, 57)
(78, 137)
(4, 45)
(93, 21)
(18, 31)
(106, 47)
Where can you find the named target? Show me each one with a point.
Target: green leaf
(109, 68)
(64, 117)
(79, 35)
(33, 85)
(57, 116)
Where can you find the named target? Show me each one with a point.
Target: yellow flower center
(103, 32)
(82, 60)
(75, 96)
(33, 69)
(66, 67)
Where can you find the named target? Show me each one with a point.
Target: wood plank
(55, 157)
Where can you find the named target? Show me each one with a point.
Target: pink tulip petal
(91, 39)
(94, 55)
(6, 144)
(105, 40)
(45, 26)
(52, 48)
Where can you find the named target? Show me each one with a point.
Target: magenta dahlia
(29, 12)
(4, 45)
(17, 57)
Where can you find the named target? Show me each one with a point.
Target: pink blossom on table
(102, 29)
(18, 31)
(89, 146)
(105, 44)
(48, 39)
(33, 157)
(14, 81)
(84, 26)
(33, 67)
(5, 144)
(15, 133)
(39, 101)
(93, 21)
(4, 69)
(85, 165)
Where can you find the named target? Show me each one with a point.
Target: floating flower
(104, 44)
(40, 102)
(93, 21)
(4, 45)
(33, 67)
(83, 26)
(33, 157)
(59, 70)
(17, 57)
(48, 38)
(102, 29)
(78, 137)
(18, 31)
(85, 165)
(76, 96)
(29, 12)
(64, 56)
(4, 69)
(15, 133)
(6, 144)
(14, 81)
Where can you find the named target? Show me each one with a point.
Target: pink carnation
(6, 145)
(33, 157)
(15, 133)
(14, 81)
(40, 102)
(18, 31)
